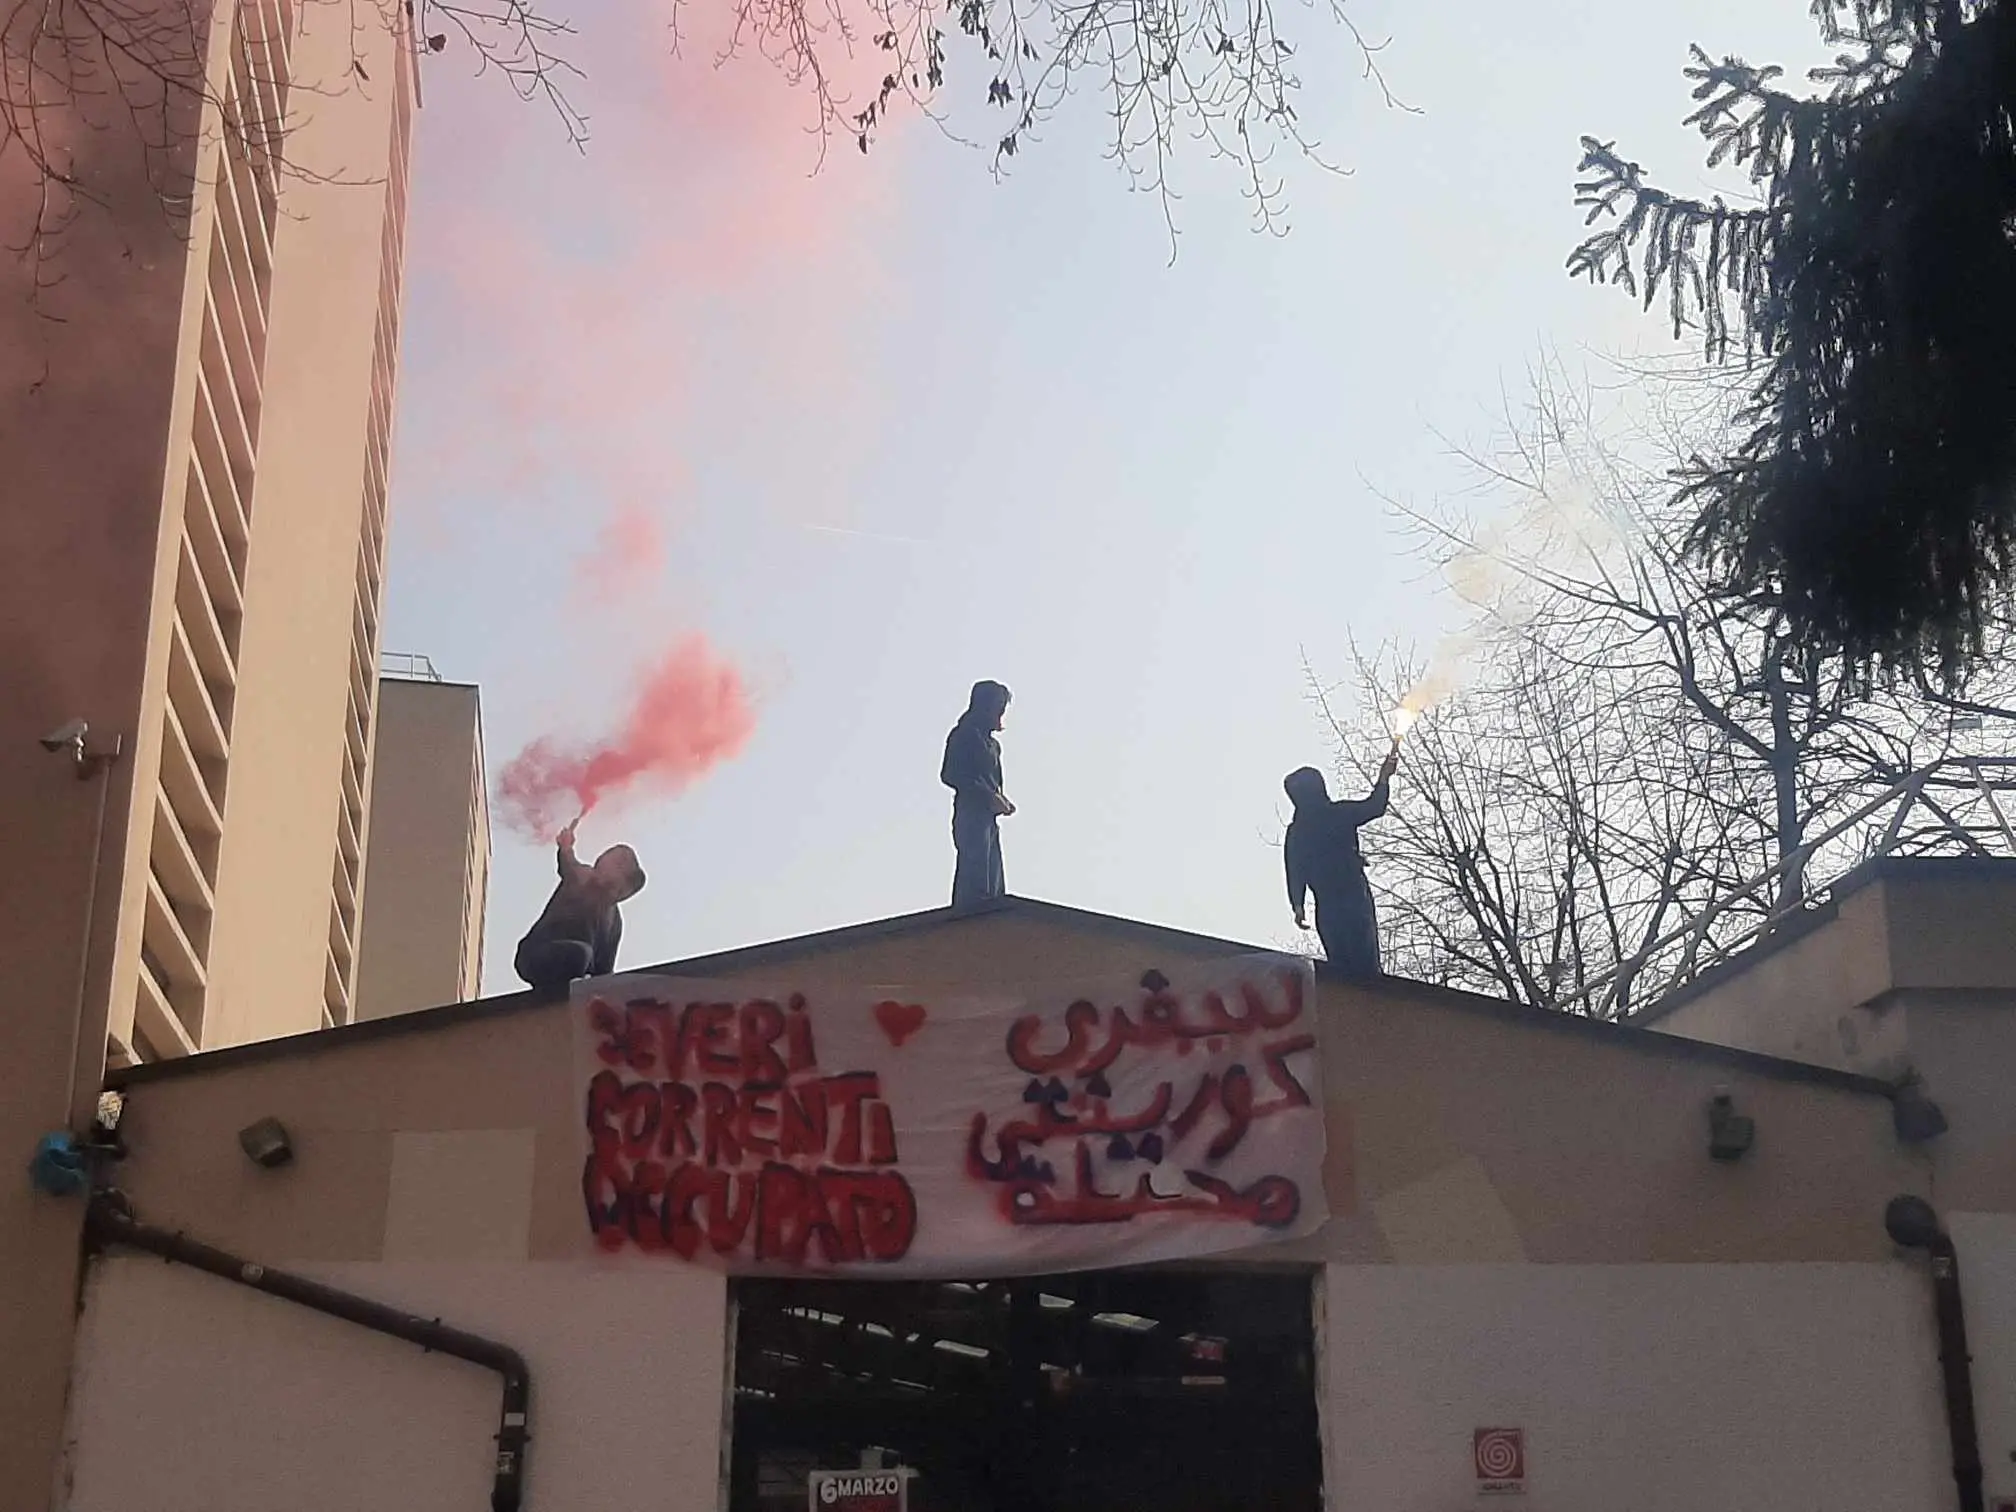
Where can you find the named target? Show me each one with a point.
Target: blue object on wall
(58, 1165)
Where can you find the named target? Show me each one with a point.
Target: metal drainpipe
(1954, 1363)
(1913, 1224)
(110, 1222)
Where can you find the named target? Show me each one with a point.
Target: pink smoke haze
(689, 713)
(565, 310)
(626, 554)
(564, 301)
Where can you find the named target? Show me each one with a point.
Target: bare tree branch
(1630, 747)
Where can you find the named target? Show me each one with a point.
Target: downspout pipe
(1913, 1224)
(110, 1223)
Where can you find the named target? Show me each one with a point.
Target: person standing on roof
(972, 769)
(1323, 857)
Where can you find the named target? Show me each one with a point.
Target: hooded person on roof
(1323, 857)
(577, 934)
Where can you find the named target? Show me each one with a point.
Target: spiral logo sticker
(1499, 1456)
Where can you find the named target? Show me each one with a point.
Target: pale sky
(906, 426)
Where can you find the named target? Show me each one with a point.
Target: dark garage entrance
(1108, 1391)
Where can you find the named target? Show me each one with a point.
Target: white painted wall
(1684, 1388)
(194, 1395)
(1987, 1246)
(1709, 1388)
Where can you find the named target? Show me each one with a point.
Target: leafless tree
(84, 81)
(1222, 74)
(1634, 770)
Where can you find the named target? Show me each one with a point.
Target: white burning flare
(1400, 720)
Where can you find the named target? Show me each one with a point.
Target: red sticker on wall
(1499, 1458)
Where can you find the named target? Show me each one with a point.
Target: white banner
(792, 1130)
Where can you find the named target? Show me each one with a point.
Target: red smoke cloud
(564, 304)
(690, 713)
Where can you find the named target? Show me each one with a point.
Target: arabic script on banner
(788, 1130)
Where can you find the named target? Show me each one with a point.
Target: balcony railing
(411, 666)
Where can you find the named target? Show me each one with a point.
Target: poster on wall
(799, 1130)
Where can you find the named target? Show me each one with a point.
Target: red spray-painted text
(712, 1124)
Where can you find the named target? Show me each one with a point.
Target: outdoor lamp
(266, 1143)
(1916, 1118)
(1730, 1134)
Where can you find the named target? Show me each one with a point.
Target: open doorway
(1107, 1391)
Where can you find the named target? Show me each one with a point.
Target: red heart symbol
(899, 1020)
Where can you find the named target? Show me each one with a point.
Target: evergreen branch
(1871, 495)
(1703, 253)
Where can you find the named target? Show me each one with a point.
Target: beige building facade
(427, 872)
(1904, 973)
(1529, 1229)
(196, 389)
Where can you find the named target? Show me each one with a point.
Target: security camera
(89, 763)
(67, 737)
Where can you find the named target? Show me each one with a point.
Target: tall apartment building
(427, 872)
(197, 360)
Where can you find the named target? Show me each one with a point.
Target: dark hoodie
(584, 910)
(972, 765)
(1321, 850)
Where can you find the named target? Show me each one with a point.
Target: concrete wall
(348, 1098)
(1987, 1246)
(201, 1397)
(1463, 1133)
(1809, 999)
(275, 870)
(1953, 924)
(1916, 974)
(1750, 1388)
(97, 386)
(1826, 994)
(429, 854)
(1746, 1388)
(1529, 1196)
(1458, 1132)
(1964, 1046)
(91, 342)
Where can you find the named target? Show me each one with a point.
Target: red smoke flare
(690, 713)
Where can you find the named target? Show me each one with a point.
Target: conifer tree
(1871, 493)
